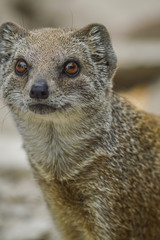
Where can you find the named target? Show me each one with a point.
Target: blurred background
(135, 30)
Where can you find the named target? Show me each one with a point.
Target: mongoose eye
(21, 67)
(71, 68)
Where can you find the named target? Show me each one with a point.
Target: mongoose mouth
(39, 108)
(42, 108)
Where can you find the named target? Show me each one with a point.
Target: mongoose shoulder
(95, 156)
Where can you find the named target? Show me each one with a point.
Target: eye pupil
(21, 67)
(71, 69)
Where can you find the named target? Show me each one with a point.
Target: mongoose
(95, 156)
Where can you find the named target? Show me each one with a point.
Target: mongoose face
(55, 71)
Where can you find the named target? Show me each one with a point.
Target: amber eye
(21, 67)
(71, 68)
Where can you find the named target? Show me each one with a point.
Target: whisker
(3, 121)
(22, 19)
(4, 106)
(71, 12)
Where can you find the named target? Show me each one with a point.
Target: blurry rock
(129, 77)
(145, 97)
(35, 14)
(147, 29)
(23, 213)
(137, 95)
(119, 16)
(154, 97)
(138, 63)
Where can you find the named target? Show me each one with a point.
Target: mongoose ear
(97, 38)
(10, 34)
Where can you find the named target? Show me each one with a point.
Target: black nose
(39, 91)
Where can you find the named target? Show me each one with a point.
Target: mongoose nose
(39, 91)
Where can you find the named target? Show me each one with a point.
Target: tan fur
(96, 158)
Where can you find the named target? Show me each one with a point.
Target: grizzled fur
(96, 157)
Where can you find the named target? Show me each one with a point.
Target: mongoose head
(55, 72)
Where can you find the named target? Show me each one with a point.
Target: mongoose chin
(95, 156)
